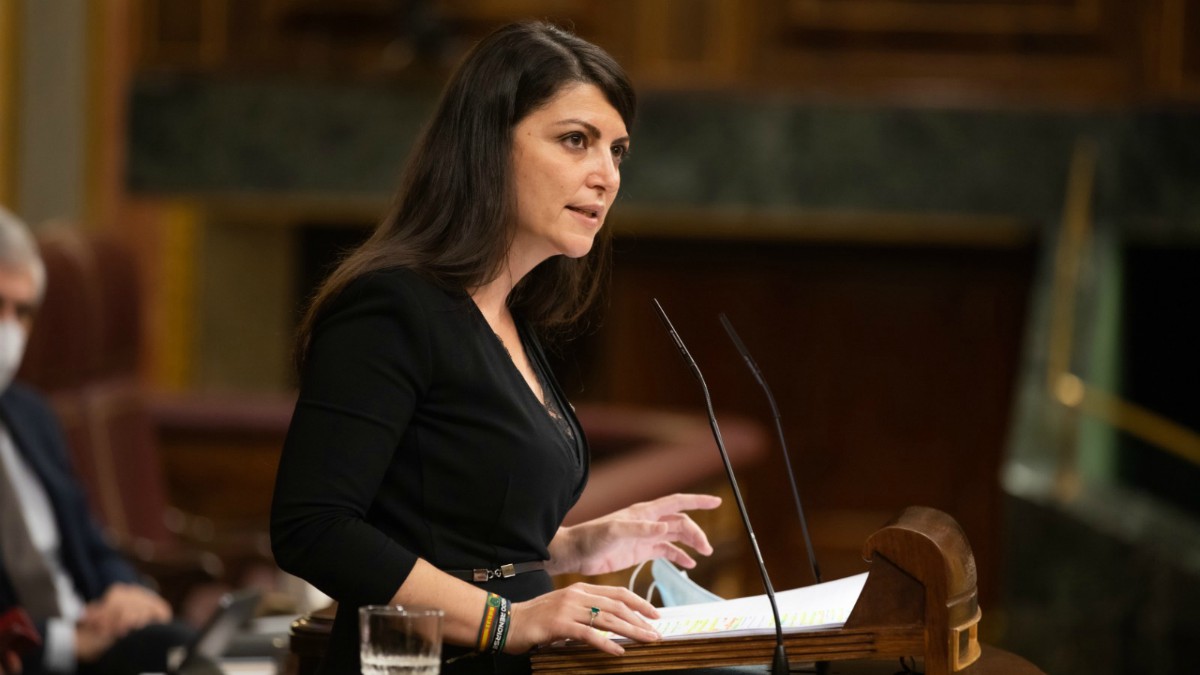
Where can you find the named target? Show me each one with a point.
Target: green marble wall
(191, 135)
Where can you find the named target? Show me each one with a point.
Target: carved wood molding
(686, 43)
(1178, 49)
(933, 16)
(933, 51)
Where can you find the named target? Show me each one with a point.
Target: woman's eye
(619, 153)
(575, 140)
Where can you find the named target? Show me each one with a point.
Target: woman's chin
(579, 246)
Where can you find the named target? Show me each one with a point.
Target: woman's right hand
(565, 614)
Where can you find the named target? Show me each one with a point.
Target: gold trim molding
(10, 53)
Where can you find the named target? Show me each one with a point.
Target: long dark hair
(452, 218)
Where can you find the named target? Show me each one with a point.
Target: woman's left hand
(624, 538)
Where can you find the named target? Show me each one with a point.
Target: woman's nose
(606, 175)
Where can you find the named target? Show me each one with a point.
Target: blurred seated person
(84, 598)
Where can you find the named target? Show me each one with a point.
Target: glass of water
(395, 640)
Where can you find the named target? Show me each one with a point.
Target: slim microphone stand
(822, 667)
(779, 662)
(741, 347)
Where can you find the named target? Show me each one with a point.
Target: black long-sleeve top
(416, 436)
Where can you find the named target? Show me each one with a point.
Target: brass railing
(1064, 386)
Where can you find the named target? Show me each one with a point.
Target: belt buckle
(481, 574)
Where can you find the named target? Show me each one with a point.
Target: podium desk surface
(993, 661)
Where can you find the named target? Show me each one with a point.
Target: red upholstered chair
(90, 325)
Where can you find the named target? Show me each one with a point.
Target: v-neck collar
(540, 370)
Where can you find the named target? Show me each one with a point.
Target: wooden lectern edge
(930, 548)
(920, 598)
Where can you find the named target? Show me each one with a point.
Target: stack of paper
(819, 607)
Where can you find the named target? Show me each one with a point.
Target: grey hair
(18, 249)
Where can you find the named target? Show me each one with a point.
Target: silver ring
(592, 618)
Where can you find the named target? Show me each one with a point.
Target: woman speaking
(431, 445)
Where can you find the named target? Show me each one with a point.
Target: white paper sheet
(817, 607)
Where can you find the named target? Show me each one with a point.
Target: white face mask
(12, 349)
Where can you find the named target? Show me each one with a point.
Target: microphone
(779, 663)
(741, 347)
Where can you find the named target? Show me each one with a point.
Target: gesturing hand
(91, 642)
(567, 614)
(10, 663)
(123, 608)
(634, 534)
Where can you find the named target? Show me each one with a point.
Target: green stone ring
(595, 613)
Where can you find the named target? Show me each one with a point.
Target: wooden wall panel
(1037, 50)
(928, 51)
(1179, 48)
(679, 44)
(937, 17)
(182, 35)
(893, 368)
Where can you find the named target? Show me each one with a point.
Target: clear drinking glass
(397, 640)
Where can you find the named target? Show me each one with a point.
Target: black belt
(481, 574)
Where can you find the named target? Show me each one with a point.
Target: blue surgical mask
(12, 349)
(675, 588)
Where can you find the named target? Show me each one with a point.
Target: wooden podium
(919, 600)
